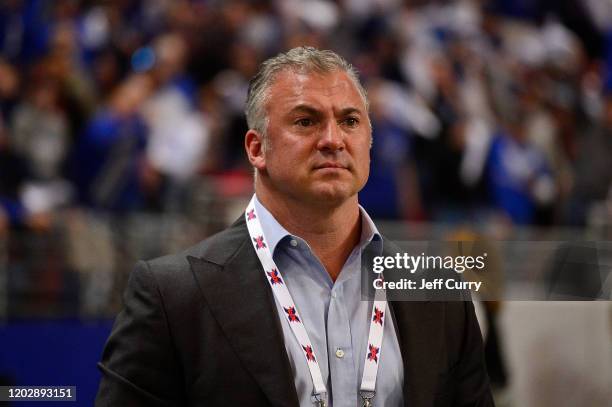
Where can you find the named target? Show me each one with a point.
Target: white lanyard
(282, 295)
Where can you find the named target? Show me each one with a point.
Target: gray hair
(300, 59)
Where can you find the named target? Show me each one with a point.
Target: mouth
(330, 165)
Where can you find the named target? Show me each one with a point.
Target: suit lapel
(239, 297)
(419, 336)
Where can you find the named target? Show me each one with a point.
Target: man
(268, 312)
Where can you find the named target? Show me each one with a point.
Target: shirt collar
(275, 232)
(369, 231)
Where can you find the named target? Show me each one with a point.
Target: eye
(304, 122)
(351, 121)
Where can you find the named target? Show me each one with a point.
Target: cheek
(289, 153)
(362, 156)
(365, 168)
(363, 165)
(283, 161)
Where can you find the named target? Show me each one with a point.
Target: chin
(332, 195)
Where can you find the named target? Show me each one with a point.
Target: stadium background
(121, 133)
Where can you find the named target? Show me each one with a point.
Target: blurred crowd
(481, 109)
(483, 112)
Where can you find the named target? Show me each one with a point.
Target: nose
(331, 138)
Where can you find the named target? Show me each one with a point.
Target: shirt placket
(340, 351)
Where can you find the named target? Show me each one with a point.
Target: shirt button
(334, 295)
(293, 242)
(339, 353)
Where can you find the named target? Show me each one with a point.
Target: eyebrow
(311, 110)
(306, 109)
(348, 110)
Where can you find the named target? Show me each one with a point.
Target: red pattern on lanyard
(309, 354)
(274, 277)
(378, 316)
(373, 354)
(291, 315)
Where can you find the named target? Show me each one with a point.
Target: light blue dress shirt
(335, 317)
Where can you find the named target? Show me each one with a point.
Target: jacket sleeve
(139, 365)
(472, 381)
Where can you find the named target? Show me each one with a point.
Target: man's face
(318, 147)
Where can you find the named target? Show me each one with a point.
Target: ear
(253, 144)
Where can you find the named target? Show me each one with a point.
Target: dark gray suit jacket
(201, 329)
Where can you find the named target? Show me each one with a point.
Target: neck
(332, 231)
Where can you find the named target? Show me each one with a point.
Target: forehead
(333, 89)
